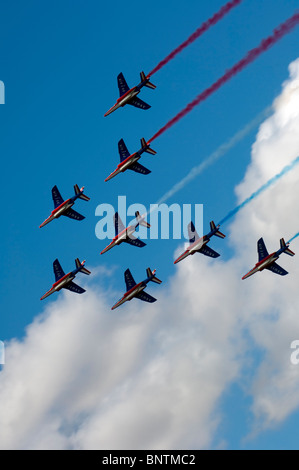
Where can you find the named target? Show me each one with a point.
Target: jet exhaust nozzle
(79, 192)
(145, 146)
(150, 273)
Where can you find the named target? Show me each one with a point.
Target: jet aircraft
(62, 207)
(130, 162)
(65, 281)
(123, 234)
(137, 290)
(267, 261)
(129, 95)
(200, 244)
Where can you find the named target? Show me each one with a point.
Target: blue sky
(59, 65)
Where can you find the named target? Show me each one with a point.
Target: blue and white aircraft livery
(129, 95)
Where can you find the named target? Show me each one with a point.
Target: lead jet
(199, 245)
(65, 281)
(267, 261)
(130, 162)
(62, 207)
(137, 290)
(129, 95)
(123, 234)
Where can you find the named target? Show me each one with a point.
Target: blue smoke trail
(293, 238)
(263, 188)
(221, 151)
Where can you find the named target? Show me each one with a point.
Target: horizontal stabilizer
(79, 192)
(217, 233)
(80, 266)
(146, 147)
(148, 83)
(141, 220)
(284, 246)
(150, 273)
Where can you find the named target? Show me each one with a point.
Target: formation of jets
(125, 234)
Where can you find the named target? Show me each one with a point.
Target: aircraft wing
(73, 214)
(123, 151)
(275, 268)
(193, 235)
(138, 103)
(119, 226)
(74, 288)
(135, 241)
(206, 250)
(129, 280)
(261, 249)
(122, 84)
(57, 199)
(139, 169)
(146, 297)
(58, 271)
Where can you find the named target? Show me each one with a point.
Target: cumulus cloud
(152, 376)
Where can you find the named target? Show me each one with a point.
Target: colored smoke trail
(216, 155)
(265, 44)
(201, 30)
(263, 188)
(293, 238)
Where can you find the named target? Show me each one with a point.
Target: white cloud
(152, 376)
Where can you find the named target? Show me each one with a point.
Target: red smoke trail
(202, 29)
(278, 33)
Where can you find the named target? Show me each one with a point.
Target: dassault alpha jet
(123, 234)
(65, 281)
(130, 161)
(199, 245)
(267, 261)
(137, 290)
(129, 95)
(62, 207)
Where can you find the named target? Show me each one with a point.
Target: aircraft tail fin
(80, 266)
(217, 233)
(79, 192)
(148, 83)
(146, 147)
(141, 220)
(283, 245)
(150, 273)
